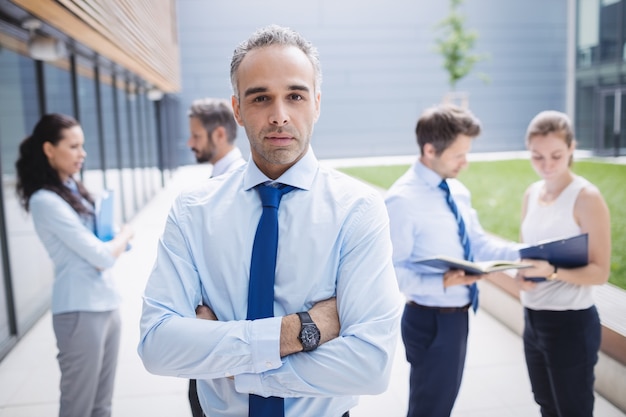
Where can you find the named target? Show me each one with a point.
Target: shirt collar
(300, 175)
(427, 175)
(71, 184)
(222, 165)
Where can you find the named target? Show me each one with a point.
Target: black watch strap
(305, 318)
(309, 333)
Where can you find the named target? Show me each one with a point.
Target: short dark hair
(213, 113)
(274, 35)
(440, 125)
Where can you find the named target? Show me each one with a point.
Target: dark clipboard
(572, 252)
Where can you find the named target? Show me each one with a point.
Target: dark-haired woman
(84, 298)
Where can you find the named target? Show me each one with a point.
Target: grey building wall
(380, 69)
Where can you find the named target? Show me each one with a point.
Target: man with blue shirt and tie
(212, 134)
(291, 259)
(430, 214)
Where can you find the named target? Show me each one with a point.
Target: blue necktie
(467, 250)
(261, 287)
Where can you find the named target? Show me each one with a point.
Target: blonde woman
(562, 327)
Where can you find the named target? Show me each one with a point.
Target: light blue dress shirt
(82, 278)
(231, 161)
(422, 226)
(333, 241)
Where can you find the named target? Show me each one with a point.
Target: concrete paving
(495, 381)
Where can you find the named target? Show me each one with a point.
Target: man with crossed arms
(333, 261)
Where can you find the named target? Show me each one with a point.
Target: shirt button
(268, 364)
(228, 374)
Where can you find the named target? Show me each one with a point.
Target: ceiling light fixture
(43, 47)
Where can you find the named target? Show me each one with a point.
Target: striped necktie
(467, 249)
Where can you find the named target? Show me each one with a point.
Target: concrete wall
(380, 68)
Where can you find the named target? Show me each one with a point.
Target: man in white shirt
(213, 130)
(423, 225)
(336, 306)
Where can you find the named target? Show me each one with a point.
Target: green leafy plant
(456, 44)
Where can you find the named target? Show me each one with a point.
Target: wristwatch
(553, 275)
(309, 333)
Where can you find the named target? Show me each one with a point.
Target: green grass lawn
(498, 186)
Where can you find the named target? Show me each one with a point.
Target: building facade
(381, 70)
(108, 64)
(601, 76)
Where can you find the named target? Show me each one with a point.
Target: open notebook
(472, 268)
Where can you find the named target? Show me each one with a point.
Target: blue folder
(105, 216)
(572, 252)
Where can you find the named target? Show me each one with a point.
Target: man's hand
(458, 277)
(205, 313)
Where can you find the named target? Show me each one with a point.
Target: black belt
(444, 310)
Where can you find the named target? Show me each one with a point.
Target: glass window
(584, 117)
(153, 163)
(58, 90)
(123, 117)
(135, 149)
(13, 129)
(127, 186)
(108, 122)
(5, 326)
(141, 132)
(19, 111)
(87, 115)
(92, 175)
(112, 175)
(611, 47)
(144, 146)
(588, 31)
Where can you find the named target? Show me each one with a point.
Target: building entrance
(611, 138)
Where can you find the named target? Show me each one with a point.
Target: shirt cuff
(265, 353)
(265, 344)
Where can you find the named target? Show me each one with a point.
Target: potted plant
(456, 44)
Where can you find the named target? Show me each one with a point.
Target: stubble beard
(202, 157)
(277, 156)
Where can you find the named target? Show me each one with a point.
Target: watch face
(310, 337)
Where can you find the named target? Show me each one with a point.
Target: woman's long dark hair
(34, 172)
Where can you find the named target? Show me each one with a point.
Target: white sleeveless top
(548, 222)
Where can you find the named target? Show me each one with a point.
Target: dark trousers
(561, 349)
(435, 343)
(194, 402)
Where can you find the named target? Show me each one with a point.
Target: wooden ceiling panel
(139, 35)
